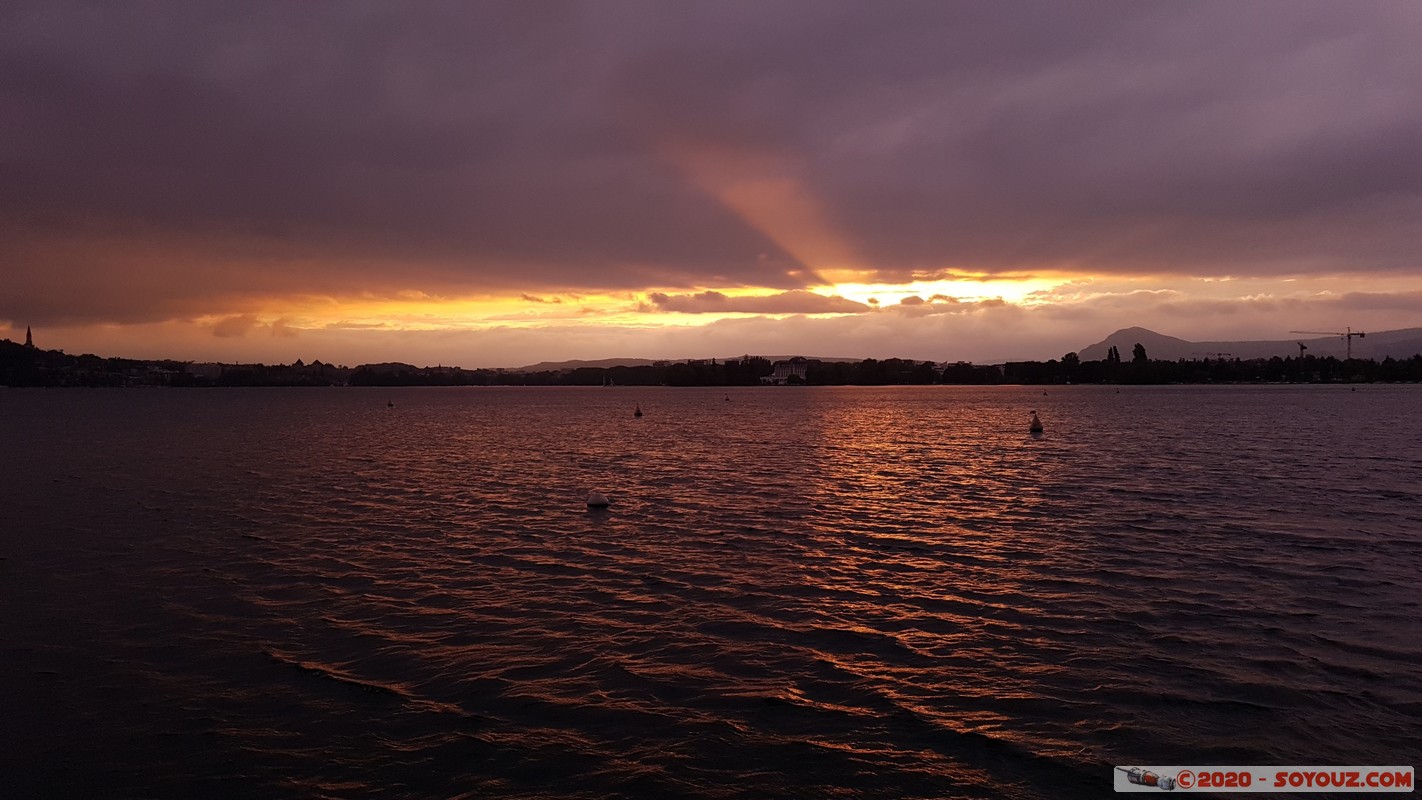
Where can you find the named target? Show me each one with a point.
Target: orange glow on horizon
(1021, 291)
(414, 311)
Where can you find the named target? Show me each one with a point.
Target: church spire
(29, 340)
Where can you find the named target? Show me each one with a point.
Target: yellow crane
(1347, 335)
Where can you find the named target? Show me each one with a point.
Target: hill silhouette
(1403, 343)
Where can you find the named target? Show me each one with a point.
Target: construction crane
(1347, 335)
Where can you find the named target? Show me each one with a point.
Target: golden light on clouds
(1024, 291)
(766, 193)
(416, 311)
(680, 309)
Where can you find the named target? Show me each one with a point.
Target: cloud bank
(172, 162)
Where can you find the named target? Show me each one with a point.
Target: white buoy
(1036, 425)
(597, 500)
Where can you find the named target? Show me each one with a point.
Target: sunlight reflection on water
(886, 592)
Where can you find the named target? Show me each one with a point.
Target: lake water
(814, 592)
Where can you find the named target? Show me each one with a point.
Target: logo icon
(1143, 777)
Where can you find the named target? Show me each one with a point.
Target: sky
(492, 184)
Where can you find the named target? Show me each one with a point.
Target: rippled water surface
(796, 592)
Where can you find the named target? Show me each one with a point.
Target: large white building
(785, 370)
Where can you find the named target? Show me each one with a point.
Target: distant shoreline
(27, 366)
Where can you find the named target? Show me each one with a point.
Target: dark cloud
(169, 158)
(240, 325)
(1381, 301)
(916, 307)
(234, 326)
(792, 302)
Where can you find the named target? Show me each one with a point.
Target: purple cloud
(792, 302)
(184, 158)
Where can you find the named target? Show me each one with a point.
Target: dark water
(884, 593)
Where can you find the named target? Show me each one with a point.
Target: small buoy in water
(638, 412)
(597, 500)
(389, 403)
(1036, 424)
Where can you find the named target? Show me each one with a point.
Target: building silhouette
(785, 371)
(29, 340)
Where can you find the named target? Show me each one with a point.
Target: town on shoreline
(24, 365)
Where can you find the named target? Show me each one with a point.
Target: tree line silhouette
(28, 366)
